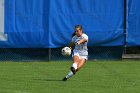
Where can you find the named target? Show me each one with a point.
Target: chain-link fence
(54, 54)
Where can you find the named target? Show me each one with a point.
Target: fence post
(125, 25)
(49, 54)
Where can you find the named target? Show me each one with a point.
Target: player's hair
(77, 26)
(73, 34)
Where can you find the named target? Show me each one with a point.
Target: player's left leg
(81, 63)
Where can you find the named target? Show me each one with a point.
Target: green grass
(94, 77)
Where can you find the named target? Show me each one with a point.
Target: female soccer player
(80, 52)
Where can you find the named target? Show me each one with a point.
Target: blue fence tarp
(50, 23)
(133, 23)
(102, 22)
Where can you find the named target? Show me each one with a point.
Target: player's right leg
(70, 74)
(75, 64)
(73, 68)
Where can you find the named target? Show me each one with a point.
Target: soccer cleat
(73, 70)
(64, 79)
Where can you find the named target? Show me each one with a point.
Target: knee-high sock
(74, 65)
(70, 74)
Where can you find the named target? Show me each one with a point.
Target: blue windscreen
(133, 23)
(50, 23)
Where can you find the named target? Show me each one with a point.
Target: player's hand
(78, 43)
(70, 48)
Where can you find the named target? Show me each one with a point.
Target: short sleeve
(85, 36)
(72, 39)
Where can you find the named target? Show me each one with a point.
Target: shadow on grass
(48, 79)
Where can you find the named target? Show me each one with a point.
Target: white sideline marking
(16, 91)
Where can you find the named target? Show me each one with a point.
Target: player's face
(78, 32)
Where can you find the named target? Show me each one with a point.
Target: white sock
(70, 74)
(74, 65)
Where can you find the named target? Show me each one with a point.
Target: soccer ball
(66, 51)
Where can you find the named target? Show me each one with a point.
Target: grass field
(94, 77)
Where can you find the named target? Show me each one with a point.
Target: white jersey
(82, 48)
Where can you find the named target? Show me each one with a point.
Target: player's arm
(82, 41)
(71, 44)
